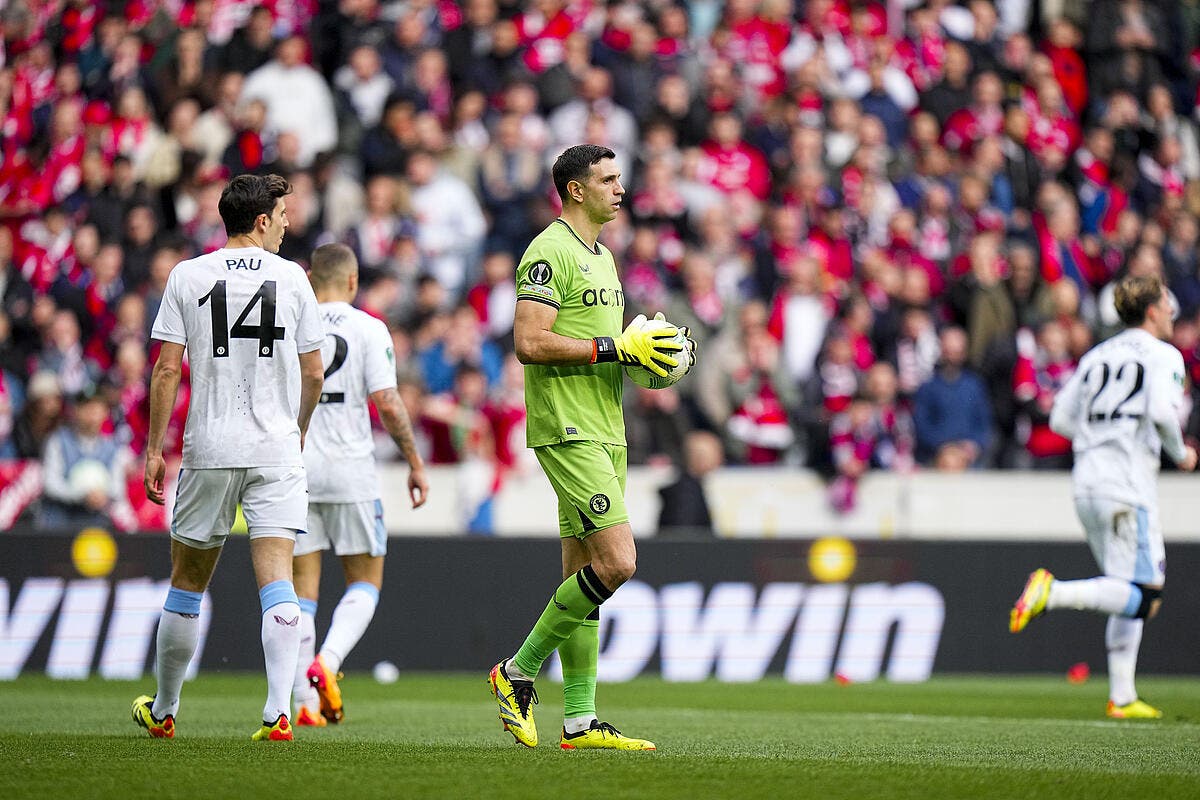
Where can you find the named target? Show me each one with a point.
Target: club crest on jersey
(540, 273)
(599, 503)
(243, 263)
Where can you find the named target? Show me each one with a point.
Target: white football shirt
(1120, 409)
(244, 314)
(339, 452)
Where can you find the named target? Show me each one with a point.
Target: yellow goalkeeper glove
(687, 334)
(637, 345)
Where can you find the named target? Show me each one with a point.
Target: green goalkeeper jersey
(566, 404)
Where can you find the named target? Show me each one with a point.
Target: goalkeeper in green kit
(567, 333)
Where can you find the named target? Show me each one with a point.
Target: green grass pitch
(437, 736)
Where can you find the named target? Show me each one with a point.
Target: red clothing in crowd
(967, 126)
(1037, 379)
(740, 167)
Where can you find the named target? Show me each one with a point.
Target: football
(649, 380)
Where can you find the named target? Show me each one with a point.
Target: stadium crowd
(892, 227)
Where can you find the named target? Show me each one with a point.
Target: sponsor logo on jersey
(604, 297)
(540, 273)
(599, 504)
(585, 269)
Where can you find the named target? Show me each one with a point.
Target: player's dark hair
(1134, 295)
(575, 163)
(331, 261)
(248, 196)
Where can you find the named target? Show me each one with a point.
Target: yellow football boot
(1032, 602)
(602, 736)
(279, 731)
(516, 700)
(159, 728)
(1138, 709)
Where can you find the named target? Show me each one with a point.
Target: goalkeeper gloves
(646, 347)
(687, 334)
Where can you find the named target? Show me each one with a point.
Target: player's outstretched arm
(396, 422)
(164, 386)
(312, 378)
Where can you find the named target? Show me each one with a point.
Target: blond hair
(1133, 295)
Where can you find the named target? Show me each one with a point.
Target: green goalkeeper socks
(579, 655)
(576, 598)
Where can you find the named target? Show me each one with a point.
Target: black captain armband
(604, 350)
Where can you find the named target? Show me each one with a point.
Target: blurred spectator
(364, 86)
(760, 395)
(800, 314)
(186, 75)
(84, 471)
(1044, 365)
(1181, 263)
(250, 46)
(450, 224)
(62, 354)
(40, 416)
(1126, 45)
(684, 510)
(297, 99)
(953, 91)
(568, 123)
(461, 346)
(374, 236)
(656, 423)
(951, 411)
(1030, 297)
(494, 298)
(510, 178)
(214, 127)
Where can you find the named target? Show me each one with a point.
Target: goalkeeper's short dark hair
(574, 164)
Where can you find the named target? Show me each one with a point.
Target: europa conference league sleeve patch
(540, 273)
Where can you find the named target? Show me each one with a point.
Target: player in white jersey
(1120, 409)
(344, 510)
(249, 322)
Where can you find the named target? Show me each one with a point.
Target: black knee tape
(1149, 595)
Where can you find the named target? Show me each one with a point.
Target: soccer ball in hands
(686, 358)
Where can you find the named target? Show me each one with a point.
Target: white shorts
(350, 528)
(273, 499)
(1126, 540)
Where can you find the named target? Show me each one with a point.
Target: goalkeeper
(567, 332)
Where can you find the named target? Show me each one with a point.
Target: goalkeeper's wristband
(604, 350)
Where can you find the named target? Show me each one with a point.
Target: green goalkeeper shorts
(589, 480)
